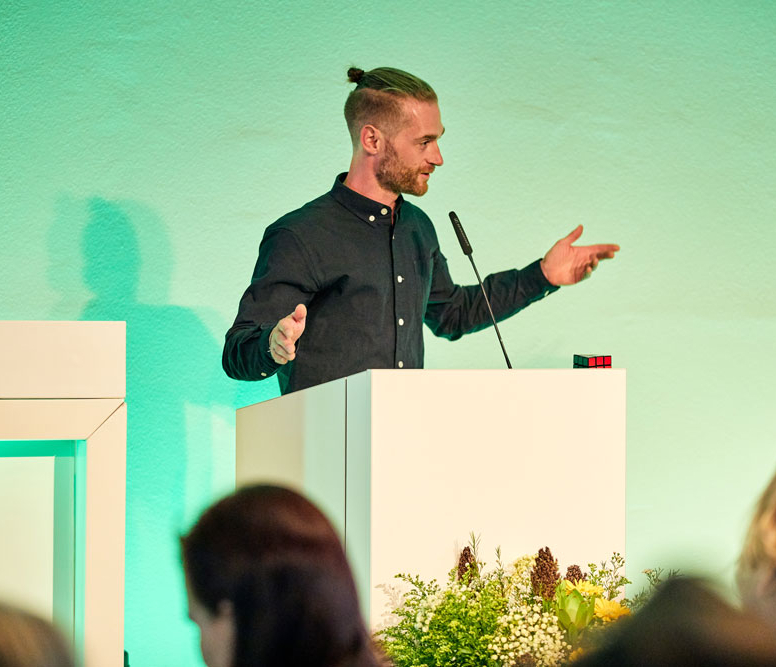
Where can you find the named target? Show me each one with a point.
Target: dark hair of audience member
(27, 640)
(686, 624)
(756, 574)
(277, 561)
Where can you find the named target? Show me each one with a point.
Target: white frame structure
(67, 381)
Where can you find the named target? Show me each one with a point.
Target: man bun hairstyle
(355, 75)
(378, 96)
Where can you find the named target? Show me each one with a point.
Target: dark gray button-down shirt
(369, 279)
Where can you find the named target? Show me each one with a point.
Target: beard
(395, 176)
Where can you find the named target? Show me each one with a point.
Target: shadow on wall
(173, 361)
(177, 394)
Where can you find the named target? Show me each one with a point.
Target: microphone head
(465, 245)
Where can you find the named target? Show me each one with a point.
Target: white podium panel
(522, 458)
(299, 441)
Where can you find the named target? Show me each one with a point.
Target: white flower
(528, 630)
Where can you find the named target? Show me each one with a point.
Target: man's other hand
(282, 340)
(565, 264)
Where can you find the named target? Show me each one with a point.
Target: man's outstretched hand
(282, 340)
(565, 264)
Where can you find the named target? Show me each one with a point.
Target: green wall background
(144, 147)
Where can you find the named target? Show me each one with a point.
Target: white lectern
(408, 463)
(60, 383)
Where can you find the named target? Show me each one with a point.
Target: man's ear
(371, 139)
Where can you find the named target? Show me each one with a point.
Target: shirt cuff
(533, 272)
(267, 365)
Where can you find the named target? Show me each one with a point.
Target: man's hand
(282, 340)
(565, 264)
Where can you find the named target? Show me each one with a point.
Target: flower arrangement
(521, 614)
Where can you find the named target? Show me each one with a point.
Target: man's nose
(436, 156)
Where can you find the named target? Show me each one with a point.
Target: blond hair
(756, 574)
(27, 640)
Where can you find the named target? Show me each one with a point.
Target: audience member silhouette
(269, 584)
(686, 624)
(27, 640)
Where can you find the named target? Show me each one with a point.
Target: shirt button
(401, 364)
(384, 211)
(401, 322)
(399, 279)
(263, 375)
(371, 218)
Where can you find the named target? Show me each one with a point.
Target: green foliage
(495, 619)
(607, 574)
(654, 579)
(450, 627)
(574, 611)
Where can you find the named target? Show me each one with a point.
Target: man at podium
(347, 281)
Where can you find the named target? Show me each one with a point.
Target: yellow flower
(609, 610)
(576, 654)
(584, 587)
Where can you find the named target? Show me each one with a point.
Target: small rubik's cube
(592, 361)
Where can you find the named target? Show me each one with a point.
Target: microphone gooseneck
(467, 250)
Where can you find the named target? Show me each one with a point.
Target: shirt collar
(368, 210)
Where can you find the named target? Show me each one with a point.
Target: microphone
(462, 239)
(467, 250)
